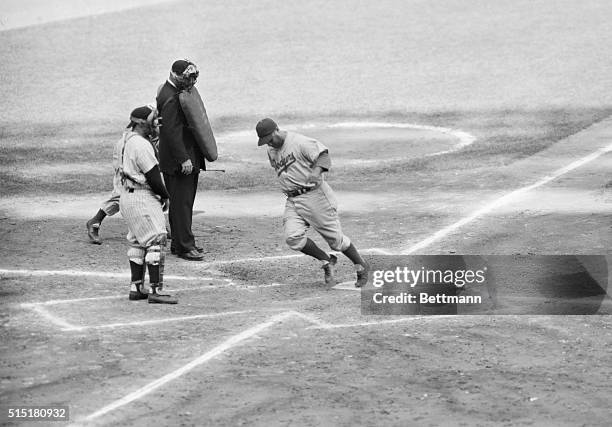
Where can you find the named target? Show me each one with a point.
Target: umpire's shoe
(156, 297)
(328, 269)
(92, 231)
(362, 275)
(192, 255)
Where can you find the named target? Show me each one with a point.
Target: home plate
(346, 286)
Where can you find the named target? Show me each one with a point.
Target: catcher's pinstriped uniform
(300, 163)
(142, 202)
(110, 206)
(140, 206)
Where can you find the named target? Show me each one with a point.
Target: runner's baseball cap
(265, 128)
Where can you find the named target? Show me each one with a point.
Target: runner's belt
(300, 191)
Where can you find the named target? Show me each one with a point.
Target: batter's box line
(81, 273)
(64, 325)
(111, 297)
(69, 327)
(74, 328)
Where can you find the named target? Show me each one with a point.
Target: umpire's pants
(182, 189)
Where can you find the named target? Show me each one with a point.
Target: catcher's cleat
(138, 291)
(162, 299)
(362, 276)
(328, 270)
(157, 298)
(92, 231)
(136, 295)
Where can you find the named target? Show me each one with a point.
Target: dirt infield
(257, 339)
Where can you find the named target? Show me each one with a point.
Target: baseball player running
(300, 163)
(143, 200)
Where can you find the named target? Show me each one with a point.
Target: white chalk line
(38, 307)
(165, 320)
(464, 138)
(110, 297)
(379, 251)
(53, 319)
(312, 319)
(103, 274)
(505, 199)
(109, 275)
(228, 344)
(254, 259)
(70, 327)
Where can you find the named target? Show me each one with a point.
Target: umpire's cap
(185, 68)
(265, 128)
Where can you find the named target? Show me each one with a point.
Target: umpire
(180, 159)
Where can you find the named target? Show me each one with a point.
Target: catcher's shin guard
(162, 258)
(155, 259)
(136, 255)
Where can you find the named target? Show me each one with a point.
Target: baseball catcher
(110, 206)
(143, 200)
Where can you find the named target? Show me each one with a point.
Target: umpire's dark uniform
(176, 145)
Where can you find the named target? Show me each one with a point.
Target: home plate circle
(346, 286)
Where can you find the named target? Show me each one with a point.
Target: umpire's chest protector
(177, 141)
(198, 123)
